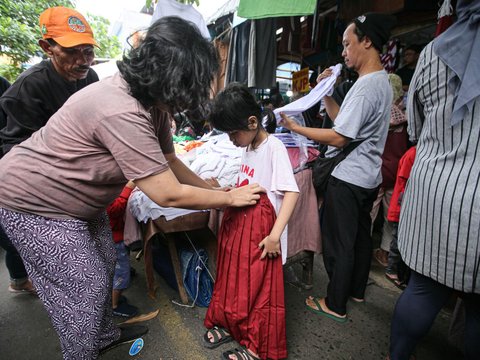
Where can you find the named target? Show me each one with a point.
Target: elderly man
(361, 121)
(39, 92)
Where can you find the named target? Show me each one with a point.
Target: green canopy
(259, 9)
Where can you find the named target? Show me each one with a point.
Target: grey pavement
(176, 333)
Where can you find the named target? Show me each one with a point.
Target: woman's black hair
(173, 65)
(232, 107)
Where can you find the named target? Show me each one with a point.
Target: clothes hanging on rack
(262, 54)
(184, 11)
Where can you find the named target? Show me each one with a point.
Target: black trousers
(13, 261)
(347, 243)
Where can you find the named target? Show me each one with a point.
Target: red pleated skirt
(248, 298)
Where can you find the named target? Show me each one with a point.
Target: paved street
(26, 333)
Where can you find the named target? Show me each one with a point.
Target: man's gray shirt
(364, 115)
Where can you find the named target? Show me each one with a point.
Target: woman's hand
(287, 122)
(271, 247)
(245, 195)
(325, 74)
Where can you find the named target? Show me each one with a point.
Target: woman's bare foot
(357, 300)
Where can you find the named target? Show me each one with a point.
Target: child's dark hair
(232, 107)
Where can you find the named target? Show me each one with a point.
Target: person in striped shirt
(439, 230)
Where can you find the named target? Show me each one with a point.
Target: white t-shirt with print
(269, 166)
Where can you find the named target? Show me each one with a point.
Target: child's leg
(121, 281)
(387, 226)
(116, 297)
(394, 257)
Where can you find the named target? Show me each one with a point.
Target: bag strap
(352, 146)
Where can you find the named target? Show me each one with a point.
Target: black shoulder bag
(323, 167)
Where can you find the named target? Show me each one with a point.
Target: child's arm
(118, 206)
(271, 244)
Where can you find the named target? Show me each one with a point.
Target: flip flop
(319, 311)
(220, 336)
(395, 281)
(240, 353)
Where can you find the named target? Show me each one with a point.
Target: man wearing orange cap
(39, 92)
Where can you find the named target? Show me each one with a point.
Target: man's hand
(325, 74)
(287, 122)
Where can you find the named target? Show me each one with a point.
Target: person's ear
(367, 43)
(252, 123)
(46, 47)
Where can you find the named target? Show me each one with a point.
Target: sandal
(320, 311)
(395, 281)
(240, 354)
(377, 254)
(220, 336)
(23, 290)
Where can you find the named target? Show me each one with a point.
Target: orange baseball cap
(66, 26)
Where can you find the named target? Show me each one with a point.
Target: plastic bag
(196, 278)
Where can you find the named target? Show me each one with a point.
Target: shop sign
(300, 81)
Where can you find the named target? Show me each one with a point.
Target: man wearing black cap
(363, 119)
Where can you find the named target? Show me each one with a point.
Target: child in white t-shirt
(248, 299)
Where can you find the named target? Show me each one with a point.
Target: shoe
(124, 309)
(127, 334)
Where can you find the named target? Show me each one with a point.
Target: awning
(254, 9)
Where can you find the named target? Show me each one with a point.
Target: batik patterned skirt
(71, 264)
